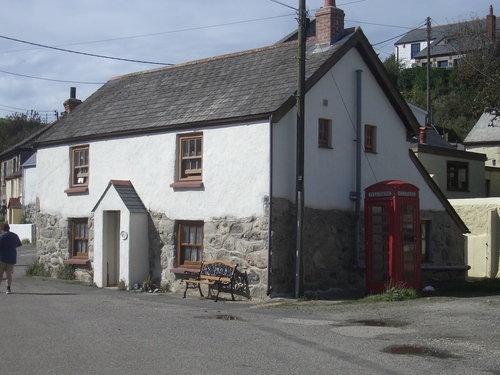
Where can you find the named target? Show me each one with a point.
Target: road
(55, 327)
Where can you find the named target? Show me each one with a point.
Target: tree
(16, 127)
(479, 71)
(393, 68)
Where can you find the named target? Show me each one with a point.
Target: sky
(97, 35)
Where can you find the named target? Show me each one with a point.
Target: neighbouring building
(447, 42)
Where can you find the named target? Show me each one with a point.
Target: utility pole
(299, 183)
(428, 122)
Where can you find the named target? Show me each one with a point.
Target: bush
(25, 241)
(122, 285)
(37, 269)
(65, 272)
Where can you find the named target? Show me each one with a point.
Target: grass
(37, 269)
(65, 272)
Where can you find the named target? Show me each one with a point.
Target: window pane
(192, 235)
(198, 236)
(198, 147)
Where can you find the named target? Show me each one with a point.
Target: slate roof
(442, 37)
(128, 195)
(250, 84)
(486, 130)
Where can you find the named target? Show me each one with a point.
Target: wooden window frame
(453, 169)
(370, 138)
(324, 133)
(77, 238)
(186, 156)
(80, 172)
(183, 244)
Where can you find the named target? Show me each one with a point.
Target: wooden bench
(213, 273)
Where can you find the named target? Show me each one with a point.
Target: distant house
(11, 176)
(159, 170)
(484, 138)
(446, 43)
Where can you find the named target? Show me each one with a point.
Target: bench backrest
(218, 269)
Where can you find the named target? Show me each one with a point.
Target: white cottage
(162, 169)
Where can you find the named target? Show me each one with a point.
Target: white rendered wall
(235, 174)
(330, 174)
(29, 185)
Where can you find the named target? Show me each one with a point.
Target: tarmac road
(55, 327)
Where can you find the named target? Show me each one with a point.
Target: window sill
(76, 261)
(186, 184)
(77, 190)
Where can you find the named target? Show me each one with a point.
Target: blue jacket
(8, 243)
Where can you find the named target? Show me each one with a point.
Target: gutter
(270, 208)
(357, 210)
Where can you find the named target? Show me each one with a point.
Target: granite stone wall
(329, 262)
(52, 243)
(328, 252)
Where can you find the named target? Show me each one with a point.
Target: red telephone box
(392, 233)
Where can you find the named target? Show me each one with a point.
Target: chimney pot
(491, 26)
(71, 103)
(423, 136)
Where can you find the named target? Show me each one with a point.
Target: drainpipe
(270, 206)
(357, 210)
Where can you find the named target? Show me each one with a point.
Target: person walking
(9, 242)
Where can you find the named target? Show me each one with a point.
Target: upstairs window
(190, 243)
(457, 176)
(324, 130)
(190, 157)
(79, 238)
(80, 166)
(370, 138)
(415, 49)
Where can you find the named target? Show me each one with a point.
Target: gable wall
(330, 173)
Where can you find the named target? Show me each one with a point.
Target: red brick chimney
(329, 24)
(72, 102)
(491, 26)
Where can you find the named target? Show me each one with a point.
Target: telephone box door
(378, 245)
(408, 273)
(392, 236)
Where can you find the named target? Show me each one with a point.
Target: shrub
(37, 269)
(25, 241)
(65, 272)
(122, 285)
